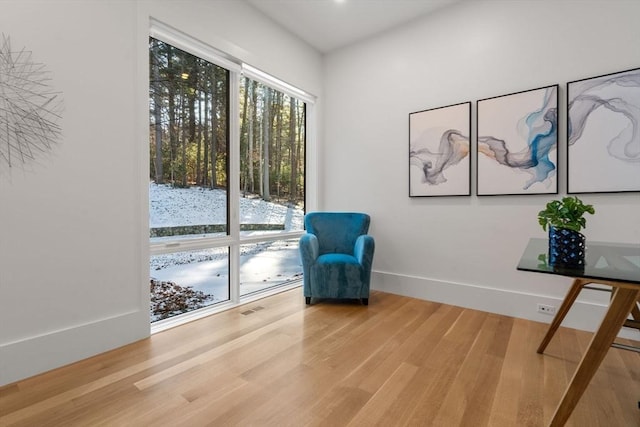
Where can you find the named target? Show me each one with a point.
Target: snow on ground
(170, 206)
(262, 265)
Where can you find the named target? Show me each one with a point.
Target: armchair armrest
(309, 248)
(363, 251)
(309, 252)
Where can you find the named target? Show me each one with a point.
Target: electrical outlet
(546, 309)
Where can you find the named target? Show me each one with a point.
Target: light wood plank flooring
(276, 362)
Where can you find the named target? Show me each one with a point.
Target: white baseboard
(584, 315)
(34, 355)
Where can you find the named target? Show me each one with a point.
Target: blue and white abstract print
(517, 143)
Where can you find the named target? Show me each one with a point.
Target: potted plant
(564, 219)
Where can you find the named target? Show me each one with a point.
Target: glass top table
(613, 264)
(604, 261)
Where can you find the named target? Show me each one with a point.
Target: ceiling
(331, 24)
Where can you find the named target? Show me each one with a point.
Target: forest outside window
(226, 179)
(272, 159)
(189, 100)
(188, 182)
(272, 184)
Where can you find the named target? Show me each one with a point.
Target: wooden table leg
(635, 312)
(568, 301)
(621, 304)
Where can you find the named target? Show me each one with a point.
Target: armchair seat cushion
(328, 259)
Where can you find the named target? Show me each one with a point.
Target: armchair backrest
(337, 231)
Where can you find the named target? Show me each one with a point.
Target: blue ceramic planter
(566, 248)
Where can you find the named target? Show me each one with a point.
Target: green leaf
(566, 213)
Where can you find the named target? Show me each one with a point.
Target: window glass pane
(188, 133)
(178, 213)
(188, 280)
(268, 264)
(272, 160)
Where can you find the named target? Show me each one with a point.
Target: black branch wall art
(30, 108)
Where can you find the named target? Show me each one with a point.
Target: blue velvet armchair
(337, 254)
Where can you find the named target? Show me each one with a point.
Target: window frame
(234, 239)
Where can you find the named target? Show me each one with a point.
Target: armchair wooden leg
(307, 300)
(365, 301)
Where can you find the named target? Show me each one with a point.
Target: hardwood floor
(276, 362)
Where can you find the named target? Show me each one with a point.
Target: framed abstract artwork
(603, 133)
(30, 109)
(518, 143)
(439, 163)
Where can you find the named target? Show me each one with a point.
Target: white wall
(464, 250)
(73, 227)
(70, 245)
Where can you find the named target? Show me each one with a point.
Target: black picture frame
(439, 151)
(517, 143)
(603, 133)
